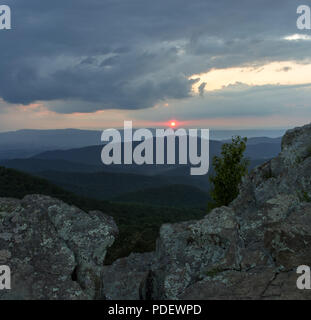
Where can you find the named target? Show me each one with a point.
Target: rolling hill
(26, 143)
(34, 165)
(173, 195)
(81, 171)
(257, 149)
(138, 224)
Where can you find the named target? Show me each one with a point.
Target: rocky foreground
(55, 251)
(248, 250)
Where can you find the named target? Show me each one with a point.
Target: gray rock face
(55, 251)
(122, 280)
(261, 284)
(251, 249)
(188, 251)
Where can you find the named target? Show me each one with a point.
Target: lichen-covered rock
(122, 279)
(187, 251)
(55, 251)
(250, 249)
(260, 284)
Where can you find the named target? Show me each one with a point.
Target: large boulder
(188, 251)
(54, 250)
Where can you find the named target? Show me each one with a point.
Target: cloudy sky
(206, 63)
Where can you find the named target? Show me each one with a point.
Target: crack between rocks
(268, 284)
(69, 248)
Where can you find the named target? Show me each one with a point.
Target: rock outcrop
(248, 250)
(55, 251)
(251, 249)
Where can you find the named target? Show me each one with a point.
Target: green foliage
(230, 167)
(138, 224)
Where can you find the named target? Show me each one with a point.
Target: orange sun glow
(173, 124)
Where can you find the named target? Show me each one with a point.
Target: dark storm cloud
(133, 54)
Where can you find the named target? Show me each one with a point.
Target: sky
(203, 63)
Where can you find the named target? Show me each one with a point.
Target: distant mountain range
(79, 169)
(257, 148)
(27, 143)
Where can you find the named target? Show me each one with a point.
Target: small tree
(230, 167)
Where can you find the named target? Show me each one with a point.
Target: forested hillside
(138, 224)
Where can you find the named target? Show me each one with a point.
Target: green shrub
(230, 167)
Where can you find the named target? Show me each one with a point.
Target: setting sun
(173, 124)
